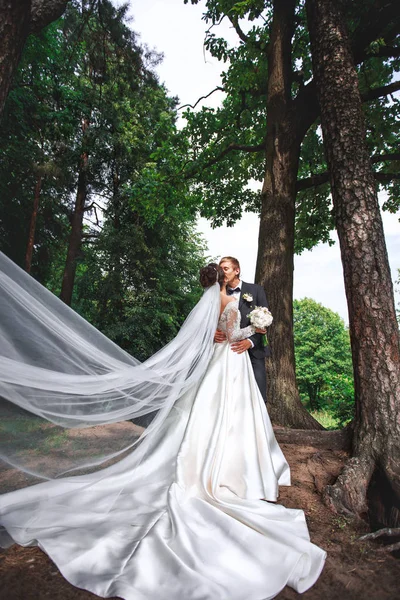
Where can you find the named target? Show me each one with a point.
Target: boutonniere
(247, 297)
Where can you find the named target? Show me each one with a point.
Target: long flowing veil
(70, 399)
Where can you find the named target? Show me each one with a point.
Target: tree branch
(378, 92)
(227, 150)
(386, 177)
(384, 157)
(245, 38)
(90, 236)
(320, 178)
(244, 148)
(218, 88)
(313, 181)
(386, 52)
(91, 205)
(382, 17)
(306, 106)
(235, 22)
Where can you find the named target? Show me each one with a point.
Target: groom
(249, 295)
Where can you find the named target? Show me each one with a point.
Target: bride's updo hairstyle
(210, 274)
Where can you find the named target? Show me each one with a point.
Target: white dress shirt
(236, 294)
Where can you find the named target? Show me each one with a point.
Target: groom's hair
(232, 260)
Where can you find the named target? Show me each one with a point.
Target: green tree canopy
(86, 88)
(324, 369)
(228, 143)
(267, 131)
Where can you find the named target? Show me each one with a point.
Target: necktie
(230, 291)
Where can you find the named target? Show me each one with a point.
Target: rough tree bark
(373, 327)
(44, 12)
(32, 226)
(15, 17)
(287, 125)
(75, 240)
(276, 238)
(18, 18)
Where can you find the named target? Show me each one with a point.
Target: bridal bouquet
(261, 318)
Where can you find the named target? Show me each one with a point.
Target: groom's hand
(242, 346)
(219, 336)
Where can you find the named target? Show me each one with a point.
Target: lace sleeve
(233, 331)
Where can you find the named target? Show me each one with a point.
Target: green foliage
(323, 360)
(33, 134)
(325, 417)
(314, 218)
(227, 162)
(137, 272)
(146, 282)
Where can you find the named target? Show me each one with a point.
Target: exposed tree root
(333, 440)
(364, 491)
(386, 531)
(391, 547)
(348, 496)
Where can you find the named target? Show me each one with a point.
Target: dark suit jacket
(245, 307)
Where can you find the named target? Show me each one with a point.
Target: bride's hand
(262, 331)
(219, 336)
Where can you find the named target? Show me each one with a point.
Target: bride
(185, 507)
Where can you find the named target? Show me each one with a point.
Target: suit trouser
(258, 365)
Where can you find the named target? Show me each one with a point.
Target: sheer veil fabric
(180, 514)
(58, 373)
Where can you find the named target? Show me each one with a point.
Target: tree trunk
(313, 396)
(114, 267)
(44, 12)
(338, 439)
(32, 227)
(75, 239)
(276, 238)
(17, 19)
(373, 327)
(117, 266)
(15, 16)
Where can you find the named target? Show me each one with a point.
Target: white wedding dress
(189, 522)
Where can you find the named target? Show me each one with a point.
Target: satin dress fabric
(190, 522)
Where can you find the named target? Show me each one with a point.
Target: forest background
(191, 75)
(100, 190)
(75, 100)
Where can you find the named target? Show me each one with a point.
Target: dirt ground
(355, 570)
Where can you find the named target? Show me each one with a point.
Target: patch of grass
(326, 419)
(56, 440)
(31, 435)
(20, 425)
(340, 522)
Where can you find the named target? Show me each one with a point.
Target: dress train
(188, 523)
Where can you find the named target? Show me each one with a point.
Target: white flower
(260, 317)
(247, 297)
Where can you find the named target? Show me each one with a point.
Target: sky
(177, 31)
